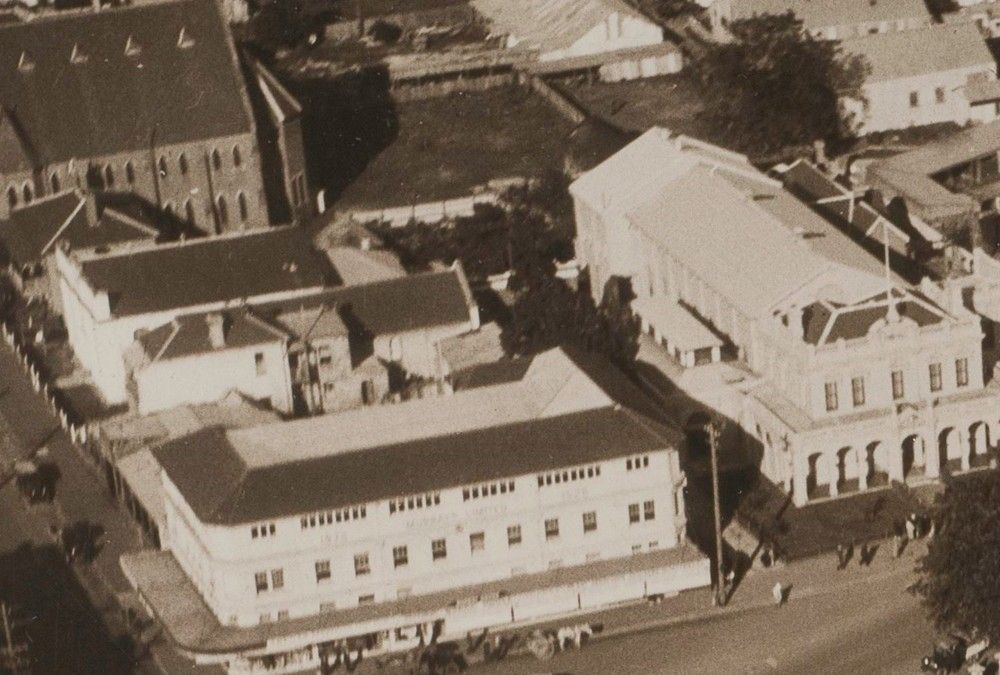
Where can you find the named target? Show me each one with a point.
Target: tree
(775, 86)
(959, 582)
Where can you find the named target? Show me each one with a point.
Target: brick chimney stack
(216, 330)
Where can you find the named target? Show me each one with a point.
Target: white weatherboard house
(508, 503)
(845, 376)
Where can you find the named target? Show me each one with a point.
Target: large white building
(526, 499)
(839, 385)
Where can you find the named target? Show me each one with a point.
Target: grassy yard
(444, 147)
(668, 101)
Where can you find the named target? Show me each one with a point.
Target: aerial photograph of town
(500, 337)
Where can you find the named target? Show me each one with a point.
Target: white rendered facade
(223, 561)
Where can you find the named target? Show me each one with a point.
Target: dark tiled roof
(188, 335)
(30, 228)
(851, 323)
(185, 87)
(221, 488)
(208, 270)
(384, 307)
(112, 228)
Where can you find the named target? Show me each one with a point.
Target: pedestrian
(779, 594)
(841, 551)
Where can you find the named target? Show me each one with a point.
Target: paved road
(871, 626)
(81, 494)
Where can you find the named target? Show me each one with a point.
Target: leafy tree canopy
(960, 574)
(775, 86)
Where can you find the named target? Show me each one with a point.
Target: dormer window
(77, 56)
(184, 39)
(25, 64)
(132, 47)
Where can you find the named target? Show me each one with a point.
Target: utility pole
(719, 598)
(13, 656)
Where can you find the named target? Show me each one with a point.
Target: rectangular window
(648, 510)
(260, 581)
(477, 541)
(831, 396)
(513, 535)
(258, 362)
(939, 94)
(361, 565)
(858, 391)
(935, 373)
(633, 513)
(590, 521)
(914, 99)
(282, 614)
(277, 579)
(897, 385)
(400, 558)
(325, 357)
(366, 599)
(322, 570)
(439, 549)
(551, 528)
(962, 372)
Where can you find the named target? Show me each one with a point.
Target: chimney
(90, 206)
(216, 330)
(819, 153)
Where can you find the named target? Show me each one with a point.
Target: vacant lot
(442, 148)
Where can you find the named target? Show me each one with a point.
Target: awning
(675, 323)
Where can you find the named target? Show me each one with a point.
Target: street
(869, 625)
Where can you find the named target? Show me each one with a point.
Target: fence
(435, 212)
(75, 428)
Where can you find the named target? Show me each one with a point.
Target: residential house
(493, 507)
(581, 35)
(107, 297)
(146, 98)
(828, 19)
(68, 219)
(845, 376)
(326, 351)
(941, 73)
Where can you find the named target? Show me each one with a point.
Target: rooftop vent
(78, 56)
(132, 47)
(184, 40)
(25, 64)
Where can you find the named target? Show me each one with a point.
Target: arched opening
(54, 181)
(949, 450)
(847, 470)
(129, 172)
(875, 467)
(914, 456)
(109, 176)
(816, 477)
(28, 194)
(237, 158)
(223, 210)
(189, 211)
(11, 197)
(216, 160)
(241, 201)
(182, 163)
(979, 444)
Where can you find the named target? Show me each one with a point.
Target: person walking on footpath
(841, 556)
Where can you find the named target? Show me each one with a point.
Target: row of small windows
(489, 490)
(262, 530)
(940, 95)
(414, 502)
(557, 477)
(221, 209)
(13, 198)
(329, 517)
(637, 462)
(275, 580)
(182, 163)
(898, 387)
